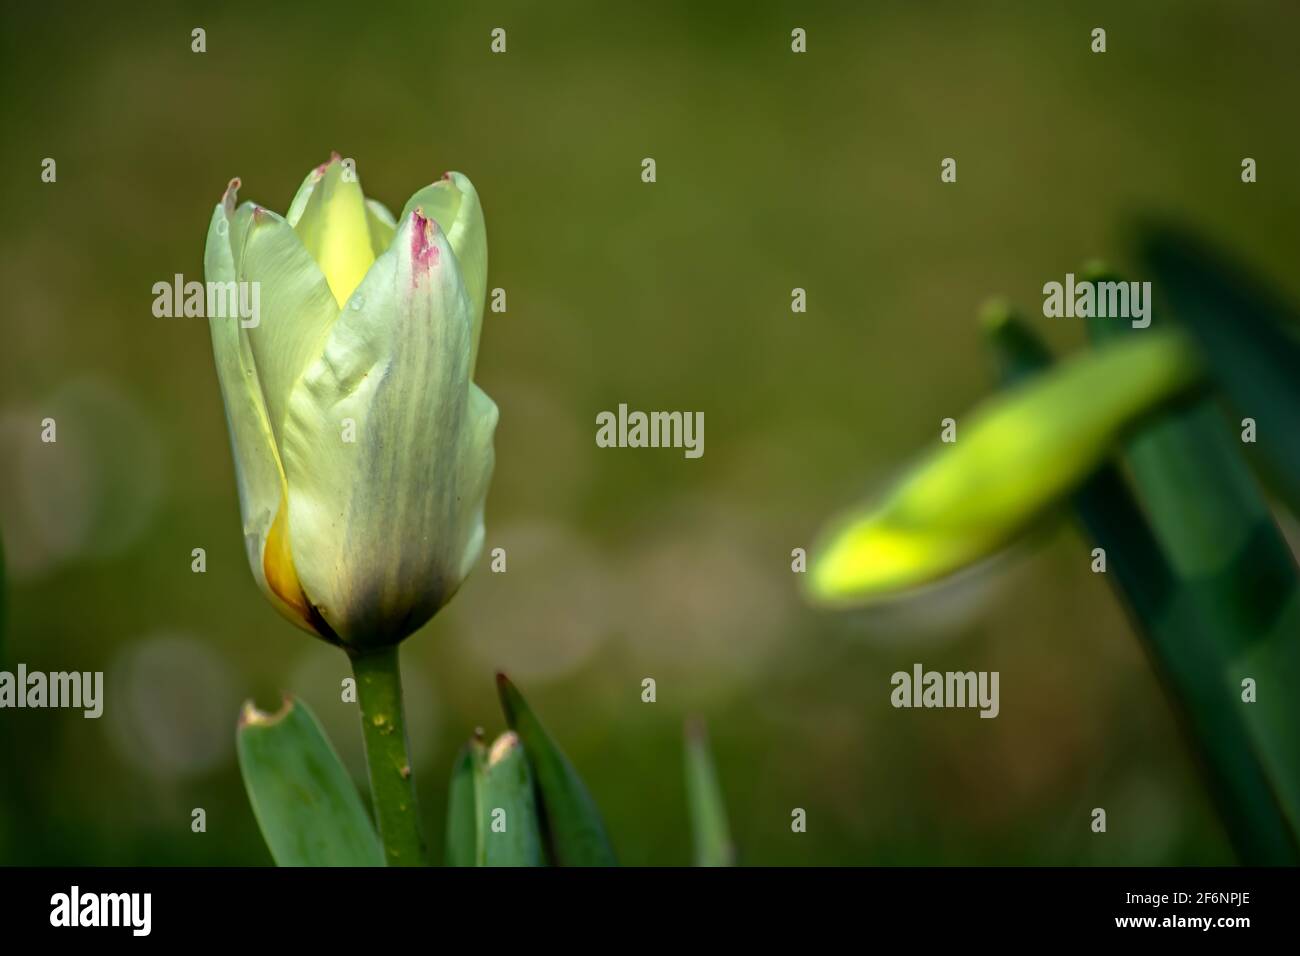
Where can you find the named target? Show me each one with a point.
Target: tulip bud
(362, 447)
(1017, 456)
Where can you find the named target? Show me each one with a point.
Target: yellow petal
(279, 572)
(332, 220)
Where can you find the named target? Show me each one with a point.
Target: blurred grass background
(775, 170)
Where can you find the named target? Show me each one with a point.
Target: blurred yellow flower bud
(1012, 459)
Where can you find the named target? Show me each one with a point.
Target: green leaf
(1235, 614)
(1248, 335)
(1015, 456)
(512, 835)
(1191, 655)
(573, 829)
(463, 819)
(709, 829)
(306, 806)
(1020, 354)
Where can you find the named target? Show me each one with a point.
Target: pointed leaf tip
(463, 805)
(710, 831)
(508, 695)
(572, 824)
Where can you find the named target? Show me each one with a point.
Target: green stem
(388, 755)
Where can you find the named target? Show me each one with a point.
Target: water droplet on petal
(222, 227)
(358, 303)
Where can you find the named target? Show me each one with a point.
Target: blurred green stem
(388, 755)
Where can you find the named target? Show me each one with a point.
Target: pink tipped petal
(424, 251)
(453, 203)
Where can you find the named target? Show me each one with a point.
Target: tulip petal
(304, 192)
(332, 223)
(296, 308)
(257, 467)
(387, 447)
(379, 220)
(454, 204)
(383, 227)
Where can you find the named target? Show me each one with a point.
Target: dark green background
(775, 170)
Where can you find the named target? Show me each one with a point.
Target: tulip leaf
(709, 828)
(308, 810)
(1248, 334)
(1236, 611)
(572, 826)
(463, 818)
(511, 831)
(1019, 353)
(1013, 458)
(1189, 656)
